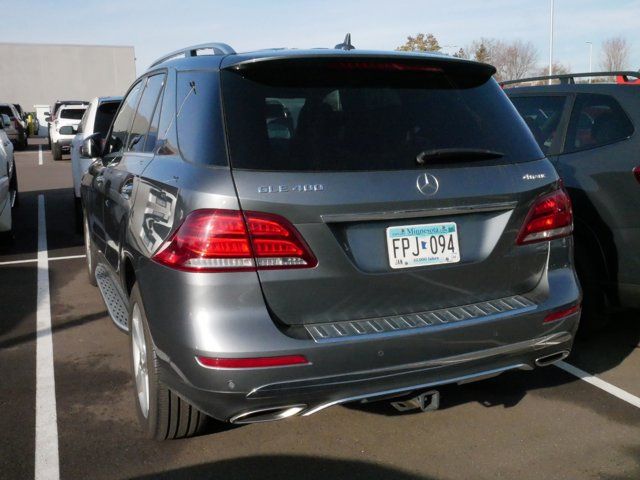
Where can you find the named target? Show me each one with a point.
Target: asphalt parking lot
(542, 424)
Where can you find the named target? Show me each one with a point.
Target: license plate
(419, 245)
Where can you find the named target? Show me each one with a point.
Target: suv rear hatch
(347, 148)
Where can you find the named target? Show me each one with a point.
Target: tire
(162, 414)
(13, 186)
(56, 150)
(594, 299)
(90, 252)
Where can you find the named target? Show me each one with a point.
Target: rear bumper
(187, 320)
(308, 396)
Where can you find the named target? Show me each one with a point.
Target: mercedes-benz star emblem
(427, 184)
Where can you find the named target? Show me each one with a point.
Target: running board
(115, 301)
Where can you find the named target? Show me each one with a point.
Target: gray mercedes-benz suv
(284, 230)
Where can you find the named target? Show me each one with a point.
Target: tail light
(550, 217)
(16, 124)
(636, 173)
(227, 240)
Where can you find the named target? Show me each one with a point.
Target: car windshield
(325, 119)
(72, 113)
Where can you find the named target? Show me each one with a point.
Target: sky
(158, 27)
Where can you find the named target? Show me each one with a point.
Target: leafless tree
(516, 60)
(513, 60)
(615, 54)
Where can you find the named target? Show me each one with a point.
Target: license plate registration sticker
(420, 245)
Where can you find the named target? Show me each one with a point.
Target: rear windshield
(322, 119)
(72, 113)
(4, 110)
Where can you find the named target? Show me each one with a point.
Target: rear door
(596, 164)
(341, 149)
(123, 171)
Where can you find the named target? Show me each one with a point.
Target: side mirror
(90, 147)
(47, 118)
(67, 130)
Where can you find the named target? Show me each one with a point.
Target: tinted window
(6, 111)
(542, 116)
(596, 120)
(147, 105)
(104, 117)
(122, 122)
(333, 119)
(200, 135)
(72, 113)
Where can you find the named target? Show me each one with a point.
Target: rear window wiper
(462, 154)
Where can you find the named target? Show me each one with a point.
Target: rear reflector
(560, 314)
(550, 217)
(227, 240)
(256, 362)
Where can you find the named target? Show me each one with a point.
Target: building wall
(32, 74)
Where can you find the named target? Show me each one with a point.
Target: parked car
(95, 123)
(51, 116)
(17, 131)
(65, 127)
(8, 180)
(404, 232)
(589, 132)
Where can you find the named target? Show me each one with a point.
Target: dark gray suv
(588, 131)
(285, 230)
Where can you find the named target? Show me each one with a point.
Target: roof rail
(217, 47)
(569, 78)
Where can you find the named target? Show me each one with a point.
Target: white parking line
(597, 382)
(34, 260)
(47, 463)
(39, 154)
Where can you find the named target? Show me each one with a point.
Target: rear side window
(198, 117)
(329, 118)
(122, 122)
(104, 117)
(542, 115)
(596, 120)
(147, 105)
(72, 113)
(6, 111)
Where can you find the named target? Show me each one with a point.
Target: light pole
(590, 58)
(551, 42)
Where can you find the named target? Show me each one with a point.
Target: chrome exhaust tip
(266, 414)
(426, 401)
(553, 358)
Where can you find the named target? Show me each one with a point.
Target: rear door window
(542, 115)
(144, 114)
(334, 117)
(596, 120)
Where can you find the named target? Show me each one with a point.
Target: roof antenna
(346, 44)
